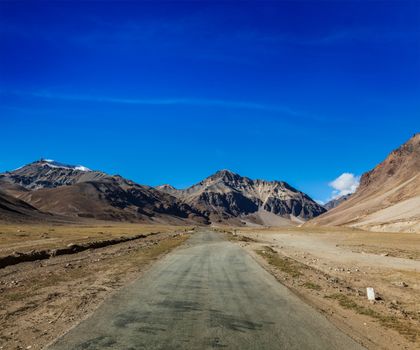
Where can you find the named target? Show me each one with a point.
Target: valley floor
(327, 268)
(331, 268)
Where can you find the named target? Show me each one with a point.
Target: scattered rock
(401, 284)
(393, 304)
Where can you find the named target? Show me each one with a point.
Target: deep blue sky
(171, 92)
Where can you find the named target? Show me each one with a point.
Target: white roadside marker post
(370, 294)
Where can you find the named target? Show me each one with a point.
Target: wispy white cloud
(346, 183)
(174, 101)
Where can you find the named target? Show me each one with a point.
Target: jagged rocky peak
(47, 173)
(227, 194)
(225, 174)
(165, 187)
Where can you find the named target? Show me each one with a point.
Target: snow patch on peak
(82, 168)
(53, 164)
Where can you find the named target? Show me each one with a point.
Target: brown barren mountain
(15, 210)
(388, 198)
(76, 191)
(226, 196)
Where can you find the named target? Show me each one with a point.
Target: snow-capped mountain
(53, 164)
(47, 173)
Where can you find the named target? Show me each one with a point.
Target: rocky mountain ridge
(77, 191)
(226, 195)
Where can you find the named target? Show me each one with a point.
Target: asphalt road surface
(207, 294)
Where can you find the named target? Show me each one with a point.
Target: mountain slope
(388, 197)
(226, 195)
(80, 192)
(15, 210)
(336, 202)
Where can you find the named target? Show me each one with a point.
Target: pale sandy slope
(265, 218)
(388, 198)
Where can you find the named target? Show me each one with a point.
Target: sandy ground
(42, 300)
(331, 269)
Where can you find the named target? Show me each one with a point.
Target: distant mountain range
(388, 197)
(336, 202)
(78, 192)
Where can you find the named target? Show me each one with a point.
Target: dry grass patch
(313, 286)
(23, 238)
(284, 264)
(239, 238)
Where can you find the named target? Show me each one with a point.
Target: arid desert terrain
(328, 269)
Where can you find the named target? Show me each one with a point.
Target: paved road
(209, 294)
